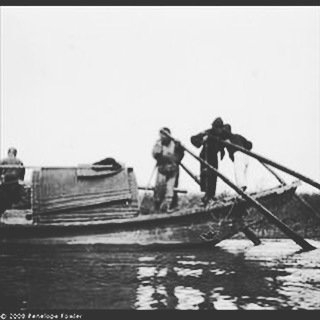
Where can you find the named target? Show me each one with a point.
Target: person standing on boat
(168, 155)
(10, 177)
(209, 152)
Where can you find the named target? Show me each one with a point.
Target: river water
(233, 275)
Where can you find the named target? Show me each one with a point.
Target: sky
(79, 84)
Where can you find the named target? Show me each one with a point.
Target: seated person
(10, 178)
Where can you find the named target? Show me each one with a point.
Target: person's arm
(157, 151)
(197, 140)
(249, 145)
(179, 151)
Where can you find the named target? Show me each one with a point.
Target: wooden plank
(77, 217)
(64, 183)
(92, 211)
(92, 206)
(68, 197)
(83, 219)
(53, 195)
(78, 203)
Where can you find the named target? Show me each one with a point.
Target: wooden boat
(81, 203)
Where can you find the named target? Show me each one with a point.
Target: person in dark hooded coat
(209, 152)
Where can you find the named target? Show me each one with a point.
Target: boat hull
(182, 226)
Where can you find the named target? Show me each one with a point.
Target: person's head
(163, 137)
(12, 152)
(217, 123)
(227, 130)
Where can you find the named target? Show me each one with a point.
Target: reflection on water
(234, 275)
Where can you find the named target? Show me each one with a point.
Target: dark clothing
(10, 189)
(9, 194)
(210, 149)
(240, 141)
(208, 179)
(168, 157)
(114, 165)
(12, 174)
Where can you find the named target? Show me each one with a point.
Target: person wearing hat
(10, 177)
(209, 152)
(168, 155)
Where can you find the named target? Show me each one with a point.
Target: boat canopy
(83, 194)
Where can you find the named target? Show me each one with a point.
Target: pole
(190, 173)
(148, 185)
(251, 235)
(300, 199)
(268, 214)
(271, 163)
(274, 174)
(152, 189)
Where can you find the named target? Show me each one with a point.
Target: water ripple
(234, 275)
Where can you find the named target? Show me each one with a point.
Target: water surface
(234, 275)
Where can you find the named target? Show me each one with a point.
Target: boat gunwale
(153, 217)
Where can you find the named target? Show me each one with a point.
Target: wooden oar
(300, 199)
(268, 214)
(190, 173)
(271, 163)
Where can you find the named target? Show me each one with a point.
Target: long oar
(149, 182)
(268, 214)
(190, 173)
(271, 163)
(300, 199)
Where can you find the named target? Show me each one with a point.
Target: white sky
(83, 83)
